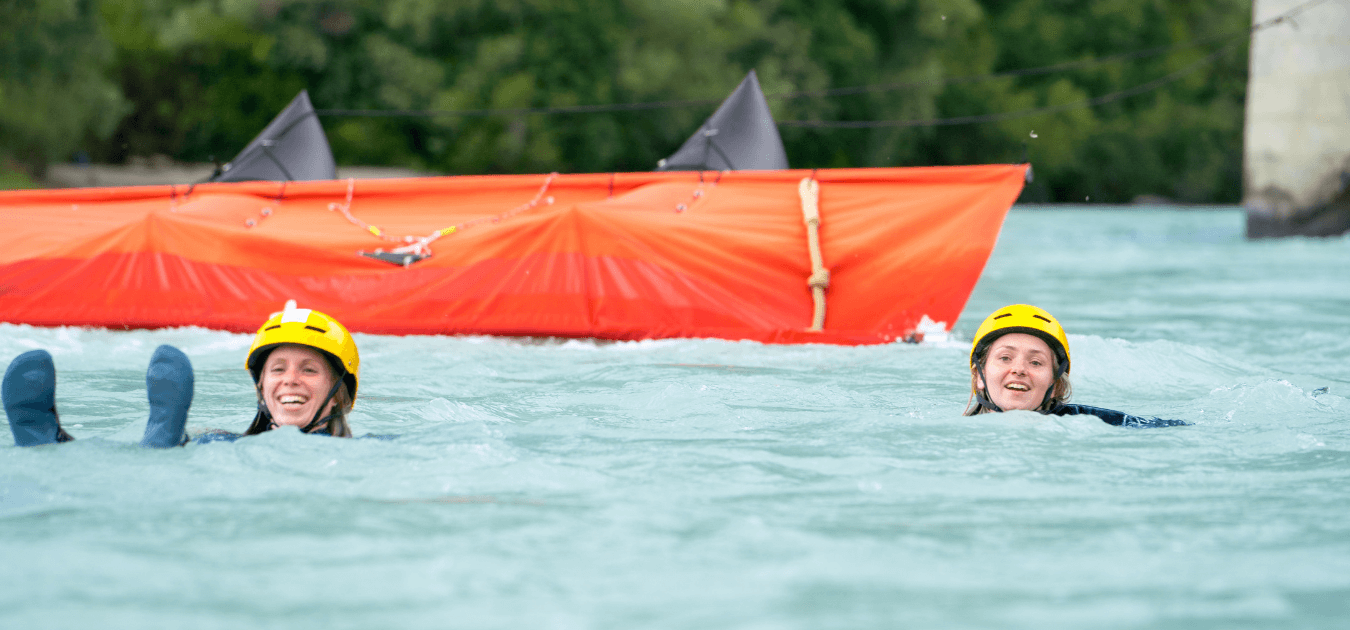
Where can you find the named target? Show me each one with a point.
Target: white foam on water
(698, 483)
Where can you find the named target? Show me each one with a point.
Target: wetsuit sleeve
(216, 435)
(1113, 417)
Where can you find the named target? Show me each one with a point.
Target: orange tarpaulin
(615, 256)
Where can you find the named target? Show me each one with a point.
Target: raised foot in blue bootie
(29, 392)
(168, 384)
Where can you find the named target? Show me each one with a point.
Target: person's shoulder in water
(1020, 360)
(1113, 417)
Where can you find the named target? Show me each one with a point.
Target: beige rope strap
(809, 189)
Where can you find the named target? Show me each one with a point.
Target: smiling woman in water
(1020, 361)
(304, 366)
(294, 381)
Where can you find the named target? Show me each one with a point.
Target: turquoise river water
(713, 484)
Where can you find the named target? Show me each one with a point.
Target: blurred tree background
(195, 80)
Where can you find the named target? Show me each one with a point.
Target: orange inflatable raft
(615, 256)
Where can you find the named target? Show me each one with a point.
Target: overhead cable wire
(1170, 77)
(1228, 38)
(1025, 113)
(1059, 67)
(518, 111)
(1066, 66)
(844, 91)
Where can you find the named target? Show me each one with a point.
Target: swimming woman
(1020, 361)
(304, 366)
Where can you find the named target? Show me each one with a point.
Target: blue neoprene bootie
(168, 384)
(29, 393)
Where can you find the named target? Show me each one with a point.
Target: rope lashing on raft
(414, 248)
(174, 197)
(819, 280)
(698, 191)
(346, 208)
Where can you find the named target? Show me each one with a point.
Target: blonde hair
(1059, 394)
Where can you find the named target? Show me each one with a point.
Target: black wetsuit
(219, 435)
(1111, 416)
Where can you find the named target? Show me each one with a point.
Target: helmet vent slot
(1043, 319)
(1003, 315)
(315, 328)
(273, 327)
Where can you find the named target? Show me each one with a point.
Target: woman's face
(295, 380)
(1018, 371)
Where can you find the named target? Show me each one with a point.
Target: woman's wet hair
(1059, 393)
(337, 421)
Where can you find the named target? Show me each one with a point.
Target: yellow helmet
(1023, 318)
(310, 328)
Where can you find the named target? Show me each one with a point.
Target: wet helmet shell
(307, 327)
(1022, 318)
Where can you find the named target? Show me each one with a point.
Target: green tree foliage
(1182, 141)
(204, 76)
(53, 92)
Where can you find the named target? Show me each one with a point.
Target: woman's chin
(1017, 404)
(298, 419)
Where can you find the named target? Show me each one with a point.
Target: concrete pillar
(1296, 159)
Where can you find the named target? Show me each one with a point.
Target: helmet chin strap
(319, 416)
(264, 413)
(1061, 367)
(982, 396)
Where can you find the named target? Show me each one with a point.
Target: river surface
(711, 484)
